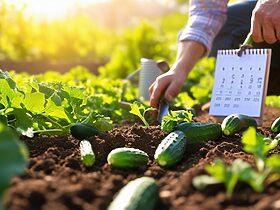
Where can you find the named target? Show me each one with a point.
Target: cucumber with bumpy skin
(82, 131)
(196, 132)
(171, 150)
(87, 154)
(235, 123)
(275, 127)
(127, 158)
(139, 194)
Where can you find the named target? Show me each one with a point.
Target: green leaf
(13, 158)
(23, 123)
(174, 118)
(6, 76)
(273, 162)
(200, 182)
(139, 110)
(3, 120)
(258, 145)
(35, 102)
(55, 111)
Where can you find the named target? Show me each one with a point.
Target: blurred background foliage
(115, 33)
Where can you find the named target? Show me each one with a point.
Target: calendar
(240, 83)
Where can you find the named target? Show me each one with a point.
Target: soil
(57, 180)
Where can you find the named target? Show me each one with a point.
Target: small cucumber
(82, 131)
(87, 155)
(127, 158)
(171, 150)
(139, 194)
(275, 127)
(196, 132)
(235, 123)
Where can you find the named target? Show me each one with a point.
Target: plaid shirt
(206, 18)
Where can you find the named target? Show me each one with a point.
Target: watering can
(148, 72)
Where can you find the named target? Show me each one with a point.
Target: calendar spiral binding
(247, 51)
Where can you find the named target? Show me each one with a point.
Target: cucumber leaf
(174, 118)
(13, 158)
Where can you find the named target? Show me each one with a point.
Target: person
(212, 25)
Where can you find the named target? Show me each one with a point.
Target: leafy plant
(13, 158)
(174, 118)
(40, 104)
(267, 168)
(140, 110)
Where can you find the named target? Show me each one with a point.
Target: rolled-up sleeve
(206, 17)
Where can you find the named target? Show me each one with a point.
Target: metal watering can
(148, 72)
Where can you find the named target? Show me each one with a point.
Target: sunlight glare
(49, 9)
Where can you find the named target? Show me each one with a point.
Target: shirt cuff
(198, 36)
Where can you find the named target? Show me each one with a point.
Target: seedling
(174, 118)
(267, 168)
(140, 110)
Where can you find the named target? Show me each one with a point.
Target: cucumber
(139, 194)
(275, 127)
(235, 123)
(87, 154)
(171, 150)
(82, 131)
(127, 158)
(196, 132)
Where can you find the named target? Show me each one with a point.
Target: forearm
(189, 52)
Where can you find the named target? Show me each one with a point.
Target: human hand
(265, 22)
(169, 84)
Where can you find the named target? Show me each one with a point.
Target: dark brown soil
(56, 179)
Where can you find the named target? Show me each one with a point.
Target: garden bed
(56, 179)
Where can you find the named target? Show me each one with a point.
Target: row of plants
(38, 104)
(182, 131)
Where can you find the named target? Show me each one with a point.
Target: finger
(158, 89)
(277, 31)
(269, 33)
(257, 31)
(172, 91)
(151, 88)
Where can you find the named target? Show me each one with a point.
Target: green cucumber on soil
(127, 158)
(139, 194)
(196, 132)
(87, 154)
(82, 131)
(275, 126)
(235, 123)
(171, 149)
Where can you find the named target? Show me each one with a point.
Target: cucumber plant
(13, 158)
(267, 167)
(174, 118)
(140, 110)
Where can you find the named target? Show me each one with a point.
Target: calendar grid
(240, 82)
